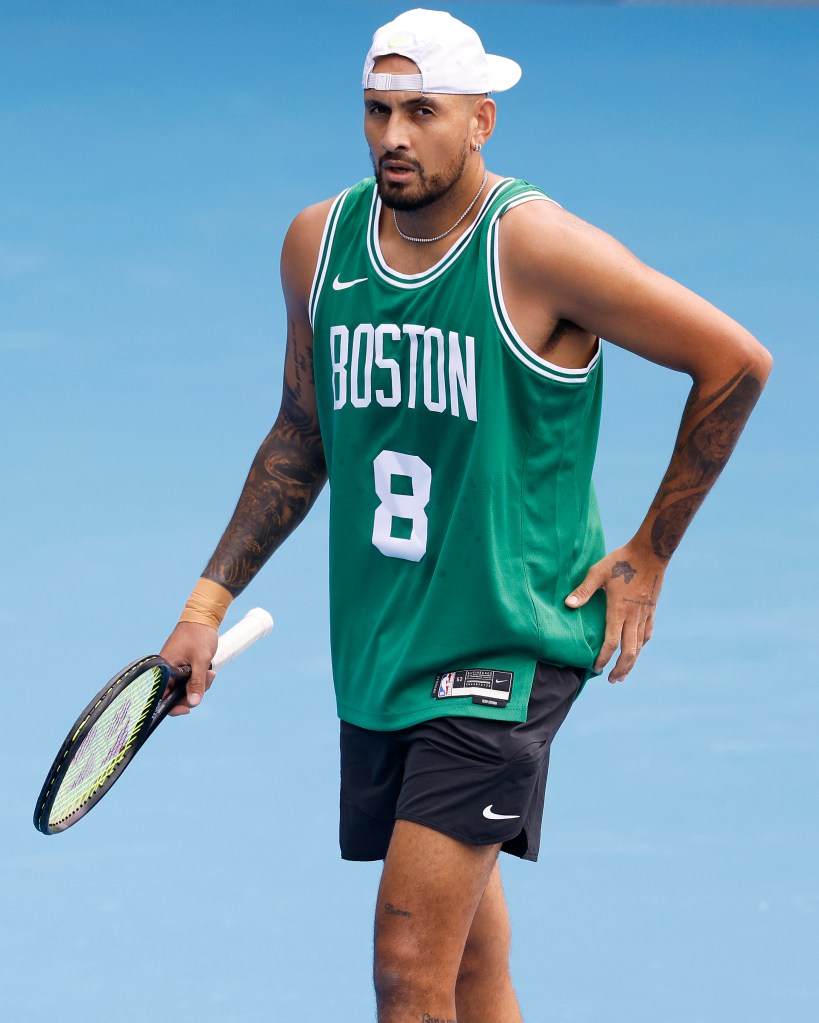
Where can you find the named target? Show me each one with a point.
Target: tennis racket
(109, 733)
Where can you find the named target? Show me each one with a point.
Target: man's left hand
(632, 578)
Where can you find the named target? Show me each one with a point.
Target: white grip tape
(255, 625)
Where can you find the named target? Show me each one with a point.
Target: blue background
(151, 157)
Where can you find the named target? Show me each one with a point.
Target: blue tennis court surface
(152, 158)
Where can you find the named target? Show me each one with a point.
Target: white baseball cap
(449, 55)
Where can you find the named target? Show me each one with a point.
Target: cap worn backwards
(449, 55)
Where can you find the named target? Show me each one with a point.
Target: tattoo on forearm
(426, 1018)
(285, 478)
(710, 428)
(623, 570)
(391, 910)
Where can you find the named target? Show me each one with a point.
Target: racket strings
(107, 743)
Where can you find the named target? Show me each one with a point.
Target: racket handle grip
(255, 625)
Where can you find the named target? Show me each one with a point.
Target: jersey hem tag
(488, 687)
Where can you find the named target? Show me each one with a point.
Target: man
(443, 367)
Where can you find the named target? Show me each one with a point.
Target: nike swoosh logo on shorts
(499, 816)
(341, 285)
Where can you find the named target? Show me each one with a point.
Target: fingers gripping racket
(111, 730)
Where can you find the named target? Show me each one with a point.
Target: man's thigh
(430, 890)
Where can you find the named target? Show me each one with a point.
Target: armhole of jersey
(323, 260)
(513, 341)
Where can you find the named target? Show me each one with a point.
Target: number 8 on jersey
(398, 509)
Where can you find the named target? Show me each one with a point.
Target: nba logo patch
(445, 683)
(491, 687)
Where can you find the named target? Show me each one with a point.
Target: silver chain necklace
(438, 237)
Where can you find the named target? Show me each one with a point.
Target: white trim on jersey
(412, 281)
(323, 259)
(514, 341)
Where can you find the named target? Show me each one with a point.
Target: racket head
(103, 740)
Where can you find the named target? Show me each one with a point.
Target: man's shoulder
(527, 213)
(533, 219)
(547, 251)
(312, 219)
(303, 241)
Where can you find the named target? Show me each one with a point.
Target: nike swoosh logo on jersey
(499, 816)
(341, 285)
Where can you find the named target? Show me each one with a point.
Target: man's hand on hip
(632, 578)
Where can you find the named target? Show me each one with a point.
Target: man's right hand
(194, 645)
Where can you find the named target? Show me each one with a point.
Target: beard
(426, 190)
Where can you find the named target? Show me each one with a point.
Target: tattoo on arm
(427, 1018)
(285, 479)
(710, 428)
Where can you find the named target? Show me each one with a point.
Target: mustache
(406, 160)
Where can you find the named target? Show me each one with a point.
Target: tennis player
(444, 369)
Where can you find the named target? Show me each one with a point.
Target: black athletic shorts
(475, 779)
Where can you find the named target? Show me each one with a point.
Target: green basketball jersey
(462, 511)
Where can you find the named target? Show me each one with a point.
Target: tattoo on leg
(622, 569)
(391, 910)
(710, 428)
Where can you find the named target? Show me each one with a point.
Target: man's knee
(400, 972)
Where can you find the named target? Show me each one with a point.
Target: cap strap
(395, 83)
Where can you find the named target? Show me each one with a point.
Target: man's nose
(395, 135)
